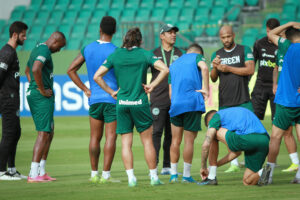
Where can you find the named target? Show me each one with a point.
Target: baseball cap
(167, 28)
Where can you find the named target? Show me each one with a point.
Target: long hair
(132, 38)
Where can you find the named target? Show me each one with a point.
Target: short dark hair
(132, 38)
(196, 46)
(272, 23)
(108, 25)
(291, 32)
(211, 112)
(17, 27)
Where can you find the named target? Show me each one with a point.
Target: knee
(246, 181)
(275, 136)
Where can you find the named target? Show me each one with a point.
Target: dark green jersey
(43, 54)
(283, 46)
(131, 72)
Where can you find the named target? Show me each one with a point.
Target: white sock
(1, 173)
(106, 174)
(212, 172)
(272, 165)
(294, 157)
(260, 172)
(94, 173)
(153, 174)
(42, 167)
(174, 168)
(235, 162)
(298, 173)
(130, 174)
(11, 170)
(34, 170)
(186, 169)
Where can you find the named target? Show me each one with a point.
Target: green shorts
(190, 121)
(255, 147)
(103, 111)
(247, 105)
(286, 116)
(128, 117)
(41, 109)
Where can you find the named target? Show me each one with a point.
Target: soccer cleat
(188, 180)
(132, 183)
(265, 176)
(233, 168)
(37, 179)
(108, 180)
(291, 168)
(165, 171)
(95, 179)
(18, 174)
(174, 178)
(9, 177)
(295, 181)
(47, 177)
(156, 182)
(209, 182)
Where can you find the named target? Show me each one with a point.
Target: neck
(296, 40)
(166, 46)
(105, 38)
(12, 43)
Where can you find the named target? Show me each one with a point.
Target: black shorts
(259, 98)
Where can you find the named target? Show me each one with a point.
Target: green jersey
(43, 54)
(283, 46)
(130, 68)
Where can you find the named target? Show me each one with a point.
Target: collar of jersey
(230, 49)
(102, 42)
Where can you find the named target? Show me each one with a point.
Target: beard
(19, 42)
(229, 45)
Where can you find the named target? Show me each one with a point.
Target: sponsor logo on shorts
(155, 111)
(17, 74)
(131, 103)
(28, 92)
(3, 65)
(51, 75)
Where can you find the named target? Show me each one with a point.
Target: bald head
(227, 35)
(56, 41)
(226, 30)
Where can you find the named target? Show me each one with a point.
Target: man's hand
(274, 88)
(204, 173)
(223, 68)
(114, 94)
(88, 93)
(205, 94)
(216, 61)
(148, 88)
(46, 93)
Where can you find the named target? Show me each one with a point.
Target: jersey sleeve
(276, 57)
(215, 122)
(169, 78)
(5, 61)
(212, 58)
(248, 54)
(255, 52)
(151, 58)
(283, 44)
(82, 51)
(108, 63)
(43, 55)
(200, 58)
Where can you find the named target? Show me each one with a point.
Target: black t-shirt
(160, 95)
(264, 53)
(9, 71)
(233, 89)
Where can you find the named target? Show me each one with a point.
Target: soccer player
(130, 64)
(287, 96)
(102, 109)
(232, 64)
(40, 97)
(187, 106)
(240, 130)
(10, 101)
(264, 53)
(159, 98)
(289, 139)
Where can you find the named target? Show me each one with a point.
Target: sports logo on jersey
(263, 49)
(282, 40)
(249, 55)
(41, 58)
(3, 65)
(155, 111)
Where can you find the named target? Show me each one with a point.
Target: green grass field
(69, 163)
